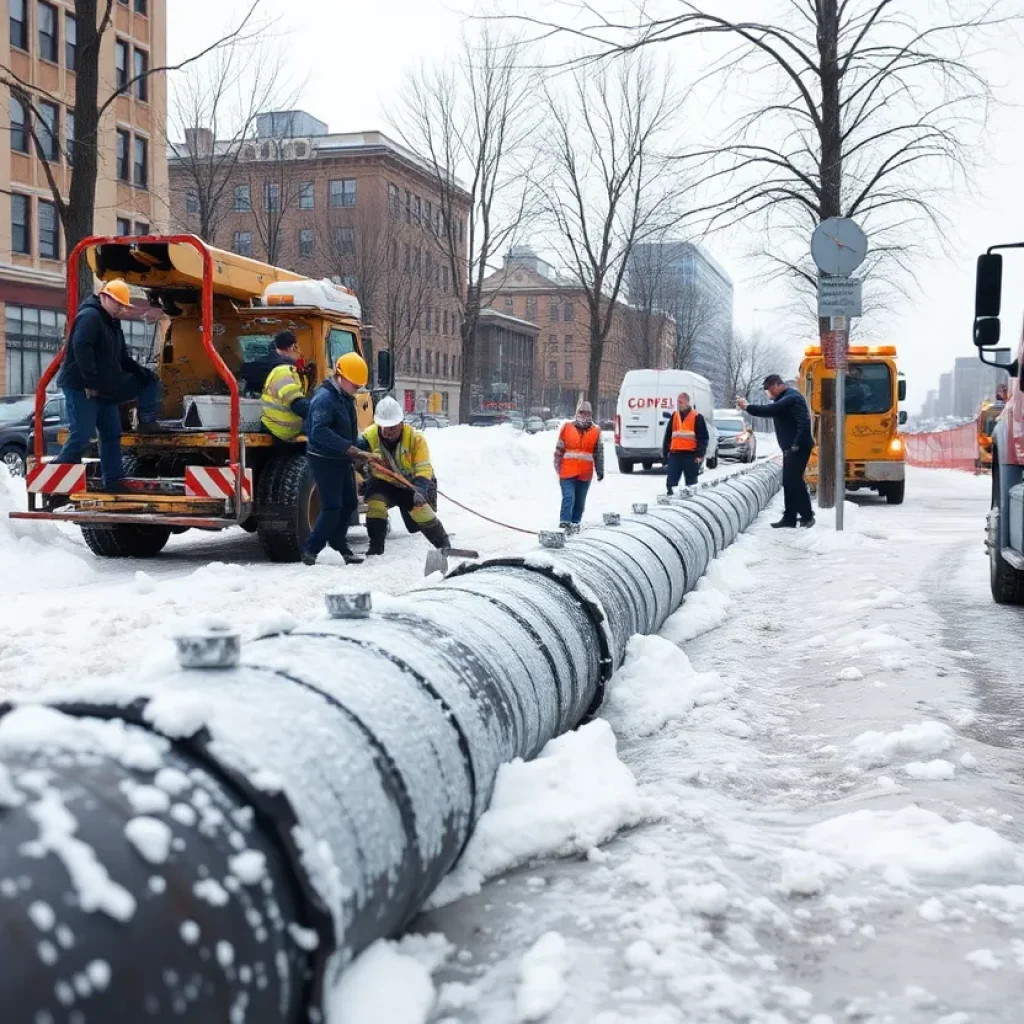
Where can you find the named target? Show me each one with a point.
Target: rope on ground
(487, 519)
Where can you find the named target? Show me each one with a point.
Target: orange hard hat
(352, 366)
(118, 291)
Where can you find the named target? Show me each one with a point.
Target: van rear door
(642, 424)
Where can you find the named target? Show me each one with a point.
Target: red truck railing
(207, 321)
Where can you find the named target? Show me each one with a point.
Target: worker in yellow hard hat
(332, 429)
(97, 376)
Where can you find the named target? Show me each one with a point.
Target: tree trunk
(596, 357)
(468, 332)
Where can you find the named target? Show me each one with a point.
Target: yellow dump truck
(874, 389)
(214, 467)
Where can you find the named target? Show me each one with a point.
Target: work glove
(600, 477)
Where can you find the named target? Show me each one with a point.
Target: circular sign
(838, 246)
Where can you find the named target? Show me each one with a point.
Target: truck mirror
(988, 287)
(986, 332)
(901, 391)
(385, 371)
(903, 416)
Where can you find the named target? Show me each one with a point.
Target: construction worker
(97, 376)
(284, 402)
(331, 449)
(579, 453)
(685, 442)
(399, 450)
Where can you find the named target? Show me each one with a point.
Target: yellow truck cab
(214, 466)
(874, 389)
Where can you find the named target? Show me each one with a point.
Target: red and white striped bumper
(56, 478)
(216, 482)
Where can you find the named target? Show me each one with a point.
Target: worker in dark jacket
(97, 376)
(685, 442)
(331, 434)
(793, 432)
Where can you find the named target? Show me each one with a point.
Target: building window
(416, 362)
(306, 195)
(416, 209)
(124, 226)
(408, 206)
(306, 243)
(242, 243)
(345, 241)
(21, 232)
(429, 365)
(19, 126)
(553, 312)
(568, 313)
(141, 163)
(121, 64)
(71, 42)
(19, 25)
(192, 202)
(343, 192)
(444, 319)
(568, 371)
(243, 199)
(444, 359)
(444, 278)
(141, 72)
(462, 229)
(46, 17)
(69, 136)
(553, 370)
(124, 171)
(33, 338)
(142, 7)
(429, 328)
(271, 196)
(141, 228)
(392, 199)
(49, 235)
(393, 248)
(568, 343)
(49, 130)
(428, 214)
(417, 263)
(509, 305)
(531, 307)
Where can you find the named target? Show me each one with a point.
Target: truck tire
(286, 506)
(13, 457)
(712, 463)
(894, 492)
(626, 465)
(125, 540)
(648, 465)
(1007, 583)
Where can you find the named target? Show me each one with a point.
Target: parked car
(427, 421)
(534, 425)
(17, 418)
(555, 424)
(735, 438)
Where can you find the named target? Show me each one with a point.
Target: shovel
(437, 558)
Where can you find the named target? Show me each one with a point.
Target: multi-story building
(39, 41)
(685, 282)
(504, 376)
(973, 383)
(528, 288)
(357, 207)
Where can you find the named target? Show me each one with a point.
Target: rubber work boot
(436, 534)
(350, 557)
(784, 524)
(806, 524)
(308, 559)
(574, 528)
(377, 531)
(564, 526)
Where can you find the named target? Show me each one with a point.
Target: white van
(647, 401)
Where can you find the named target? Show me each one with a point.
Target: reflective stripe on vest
(282, 387)
(578, 458)
(684, 432)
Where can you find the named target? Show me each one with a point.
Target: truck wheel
(648, 466)
(287, 505)
(1007, 583)
(125, 540)
(712, 463)
(13, 457)
(626, 465)
(894, 492)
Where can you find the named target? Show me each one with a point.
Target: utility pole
(838, 247)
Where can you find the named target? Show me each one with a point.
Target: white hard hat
(388, 413)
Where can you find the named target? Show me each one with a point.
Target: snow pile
(542, 974)
(35, 554)
(931, 771)
(877, 749)
(576, 795)
(656, 685)
(916, 846)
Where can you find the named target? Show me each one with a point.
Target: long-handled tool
(437, 558)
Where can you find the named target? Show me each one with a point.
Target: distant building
(973, 383)
(504, 375)
(688, 284)
(945, 405)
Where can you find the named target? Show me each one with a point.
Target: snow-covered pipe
(226, 839)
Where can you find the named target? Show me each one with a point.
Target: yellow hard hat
(118, 291)
(352, 366)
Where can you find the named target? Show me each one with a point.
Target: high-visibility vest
(410, 457)
(684, 432)
(578, 457)
(282, 386)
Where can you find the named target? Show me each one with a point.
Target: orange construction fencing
(956, 448)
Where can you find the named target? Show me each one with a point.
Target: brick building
(358, 207)
(528, 288)
(39, 43)
(505, 374)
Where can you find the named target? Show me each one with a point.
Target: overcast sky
(349, 59)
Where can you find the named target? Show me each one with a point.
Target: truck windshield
(868, 389)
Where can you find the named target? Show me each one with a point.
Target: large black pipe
(220, 842)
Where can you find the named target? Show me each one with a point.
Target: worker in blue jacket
(792, 421)
(332, 430)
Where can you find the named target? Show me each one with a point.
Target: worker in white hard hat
(401, 454)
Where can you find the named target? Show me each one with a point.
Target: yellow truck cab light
(896, 444)
(882, 350)
(812, 350)
(280, 300)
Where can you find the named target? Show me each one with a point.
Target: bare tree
(606, 188)
(213, 111)
(471, 120)
(277, 181)
(747, 360)
(77, 209)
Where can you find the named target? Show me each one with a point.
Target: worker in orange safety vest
(579, 454)
(685, 442)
